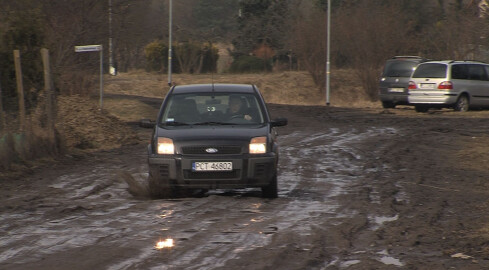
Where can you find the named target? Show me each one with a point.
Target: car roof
(216, 87)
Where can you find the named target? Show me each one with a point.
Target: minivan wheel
(270, 191)
(462, 104)
(388, 105)
(421, 109)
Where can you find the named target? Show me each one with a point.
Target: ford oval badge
(211, 150)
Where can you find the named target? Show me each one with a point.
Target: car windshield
(212, 109)
(430, 70)
(399, 69)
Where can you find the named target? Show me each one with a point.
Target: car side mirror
(279, 122)
(147, 123)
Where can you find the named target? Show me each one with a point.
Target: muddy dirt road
(358, 189)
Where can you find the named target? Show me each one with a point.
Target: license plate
(212, 166)
(427, 86)
(396, 90)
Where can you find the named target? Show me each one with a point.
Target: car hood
(208, 133)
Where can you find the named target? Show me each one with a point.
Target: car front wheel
(158, 190)
(270, 191)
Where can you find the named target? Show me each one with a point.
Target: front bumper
(248, 171)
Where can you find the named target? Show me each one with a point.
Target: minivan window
(430, 70)
(460, 72)
(399, 69)
(477, 72)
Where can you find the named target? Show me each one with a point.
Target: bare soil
(360, 187)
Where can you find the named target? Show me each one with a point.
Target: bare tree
(460, 34)
(364, 34)
(309, 44)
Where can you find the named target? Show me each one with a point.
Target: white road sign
(88, 48)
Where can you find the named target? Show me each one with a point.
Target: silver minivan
(452, 84)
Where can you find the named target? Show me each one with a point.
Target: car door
(478, 85)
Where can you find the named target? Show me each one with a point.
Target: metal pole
(328, 52)
(112, 70)
(2, 114)
(20, 89)
(170, 42)
(101, 77)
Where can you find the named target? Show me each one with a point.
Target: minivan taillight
(412, 85)
(447, 85)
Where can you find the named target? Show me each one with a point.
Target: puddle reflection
(167, 243)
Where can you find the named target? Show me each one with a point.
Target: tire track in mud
(95, 213)
(326, 167)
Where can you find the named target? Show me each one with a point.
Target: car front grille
(221, 150)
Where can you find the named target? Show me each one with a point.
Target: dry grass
(294, 88)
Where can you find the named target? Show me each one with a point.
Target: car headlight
(165, 146)
(258, 145)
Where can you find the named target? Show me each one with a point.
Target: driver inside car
(237, 109)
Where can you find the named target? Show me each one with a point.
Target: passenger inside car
(238, 109)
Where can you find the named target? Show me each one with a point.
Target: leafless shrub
(363, 35)
(81, 83)
(370, 32)
(461, 34)
(310, 45)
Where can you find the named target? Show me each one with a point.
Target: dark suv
(395, 79)
(213, 136)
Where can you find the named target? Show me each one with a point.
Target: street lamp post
(170, 42)
(328, 44)
(112, 70)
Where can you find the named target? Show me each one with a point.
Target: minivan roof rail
(465, 60)
(470, 60)
(407, 56)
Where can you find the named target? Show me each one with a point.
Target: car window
(430, 70)
(460, 72)
(212, 108)
(477, 72)
(399, 68)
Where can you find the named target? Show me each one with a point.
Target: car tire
(159, 191)
(388, 105)
(421, 108)
(270, 191)
(462, 104)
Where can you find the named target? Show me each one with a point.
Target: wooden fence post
(20, 89)
(48, 88)
(2, 113)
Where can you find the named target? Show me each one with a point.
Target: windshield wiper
(213, 123)
(173, 123)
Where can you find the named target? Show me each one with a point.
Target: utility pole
(112, 70)
(170, 41)
(328, 45)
